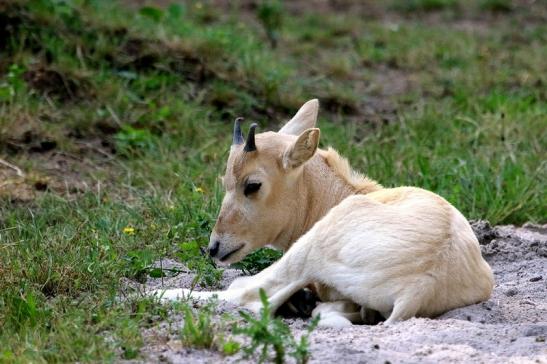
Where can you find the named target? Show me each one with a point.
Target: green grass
(271, 339)
(465, 118)
(202, 330)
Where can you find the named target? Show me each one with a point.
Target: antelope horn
(238, 136)
(250, 145)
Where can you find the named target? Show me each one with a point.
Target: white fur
(403, 251)
(415, 255)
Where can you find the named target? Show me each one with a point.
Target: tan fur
(400, 251)
(293, 196)
(341, 167)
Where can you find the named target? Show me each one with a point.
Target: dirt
(53, 170)
(511, 327)
(64, 86)
(35, 159)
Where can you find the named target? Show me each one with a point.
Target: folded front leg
(279, 282)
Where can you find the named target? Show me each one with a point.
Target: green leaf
(230, 347)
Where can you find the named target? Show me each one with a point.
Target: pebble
(511, 292)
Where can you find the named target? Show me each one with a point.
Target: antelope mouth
(225, 257)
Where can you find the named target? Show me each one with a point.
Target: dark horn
(238, 136)
(250, 145)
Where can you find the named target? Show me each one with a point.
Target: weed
(201, 330)
(198, 330)
(13, 83)
(258, 260)
(138, 264)
(198, 261)
(131, 141)
(267, 333)
(25, 308)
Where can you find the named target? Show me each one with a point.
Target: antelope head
(263, 186)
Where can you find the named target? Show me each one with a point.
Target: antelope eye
(251, 188)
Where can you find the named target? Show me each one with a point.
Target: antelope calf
(402, 252)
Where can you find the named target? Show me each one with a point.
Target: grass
(265, 338)
(139, 110)
(201, 330)
(271, 338)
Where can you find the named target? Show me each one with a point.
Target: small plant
(257, 261)
(193, 256)
(198, 330)
(130, 141)
(130, 339)
(23, 308)
(13, 83)
(148, 310)
(137, 264)
(201, 331)
(267, 333)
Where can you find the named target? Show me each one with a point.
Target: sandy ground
(511, 327)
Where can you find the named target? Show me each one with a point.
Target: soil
(64, 173)
(511, 327)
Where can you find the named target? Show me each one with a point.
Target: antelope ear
(302, 149)
(304, 119)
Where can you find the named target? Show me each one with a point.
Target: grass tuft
(269, 334)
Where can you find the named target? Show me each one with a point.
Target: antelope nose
(213, 249)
